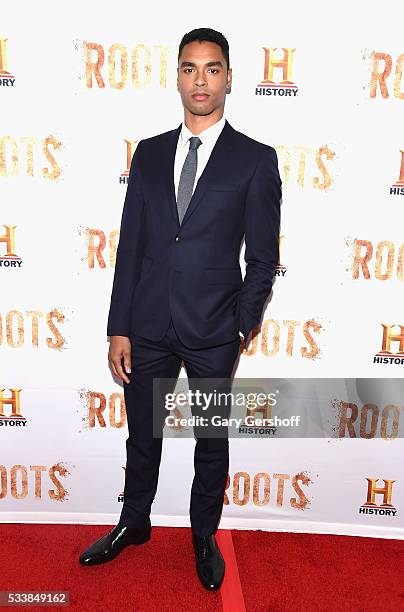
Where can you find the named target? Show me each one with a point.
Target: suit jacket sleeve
(262, 227)
(127, 266)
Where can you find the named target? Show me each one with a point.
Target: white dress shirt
(208, 138)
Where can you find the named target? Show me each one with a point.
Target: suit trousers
(163, 359)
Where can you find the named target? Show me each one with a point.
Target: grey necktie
(187, 178)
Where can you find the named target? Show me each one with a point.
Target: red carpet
(265, 571)
(292, 571)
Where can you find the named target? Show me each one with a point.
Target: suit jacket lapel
(209, 174)
(169, 158)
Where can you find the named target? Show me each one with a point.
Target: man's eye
(211, 69)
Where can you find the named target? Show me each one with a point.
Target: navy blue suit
(191, 272)
(178, 294)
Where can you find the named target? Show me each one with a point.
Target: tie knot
(194, 142)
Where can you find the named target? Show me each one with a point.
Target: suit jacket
(191, 271)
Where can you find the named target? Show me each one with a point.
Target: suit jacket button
(177, 239)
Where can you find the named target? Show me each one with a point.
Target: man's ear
(229, 80)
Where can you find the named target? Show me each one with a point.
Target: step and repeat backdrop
(79, 88)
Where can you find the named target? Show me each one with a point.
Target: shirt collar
(209, 135)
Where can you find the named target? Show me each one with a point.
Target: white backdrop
(63, 150)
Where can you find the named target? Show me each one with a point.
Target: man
(178, 295)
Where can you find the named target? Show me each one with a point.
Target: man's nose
(200, 80)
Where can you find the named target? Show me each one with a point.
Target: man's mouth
(200, 97)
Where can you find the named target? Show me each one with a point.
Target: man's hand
(119, 346)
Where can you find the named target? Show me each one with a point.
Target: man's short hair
(206, 35)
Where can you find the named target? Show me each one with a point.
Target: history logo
(11, 417)
(258, 417)
(385, 508)
(282, 66)
(10, 259)
(130, 149)
(386, 355)
(397, 188)
(280, 269)
(6, 78)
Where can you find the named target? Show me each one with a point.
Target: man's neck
(199, 123)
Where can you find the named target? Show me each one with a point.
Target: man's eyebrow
(215, 63)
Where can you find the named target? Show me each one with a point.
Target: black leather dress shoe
(110, 545)
(210, 564)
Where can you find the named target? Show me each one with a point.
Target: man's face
(202, 70)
